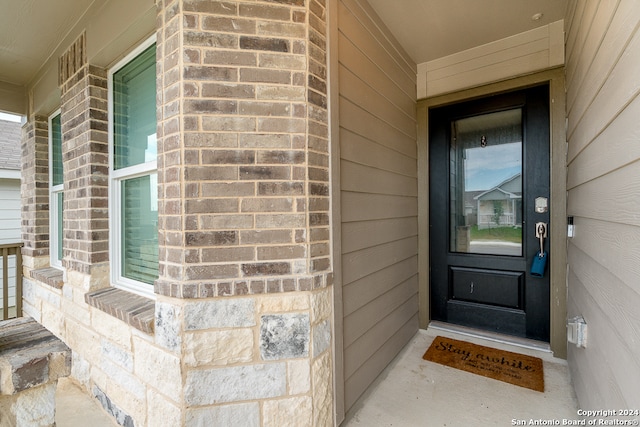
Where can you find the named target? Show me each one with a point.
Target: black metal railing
(7, 251)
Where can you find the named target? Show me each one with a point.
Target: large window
(133, 171)
(56, 194)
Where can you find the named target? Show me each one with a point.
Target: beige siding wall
(378, 184)
(9, 211)
(9, 228)
(521, 54)
(603, 106)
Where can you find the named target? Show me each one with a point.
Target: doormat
(518, 369)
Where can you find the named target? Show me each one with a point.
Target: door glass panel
(485, 180)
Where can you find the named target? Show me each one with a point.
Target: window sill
(50, 276)
(135, 310)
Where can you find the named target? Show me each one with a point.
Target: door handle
(541, 234)
(539, 263)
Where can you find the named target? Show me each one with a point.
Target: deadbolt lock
(541, 205)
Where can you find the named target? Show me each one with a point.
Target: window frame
(55, 258)
(116, 178)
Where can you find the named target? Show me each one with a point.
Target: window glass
(134, 183)
(139, 252)
(56, 151)
(60, 204)
(134, 111)
(56, 194)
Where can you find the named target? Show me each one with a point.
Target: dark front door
(489, 183)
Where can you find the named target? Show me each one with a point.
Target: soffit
(30, 32)
(431, 29)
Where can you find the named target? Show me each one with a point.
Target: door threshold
(491, 336)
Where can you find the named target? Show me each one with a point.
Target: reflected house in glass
(501, 205)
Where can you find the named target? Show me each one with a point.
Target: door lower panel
(493, 287)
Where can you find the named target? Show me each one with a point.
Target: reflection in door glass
(485, 179)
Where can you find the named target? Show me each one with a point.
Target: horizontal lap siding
(603, 182)
(9, 228)
(378, 182)
(9, 211)
(521, 54)
(611, 327)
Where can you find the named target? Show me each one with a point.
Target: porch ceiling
(431, 29)
(31, 30)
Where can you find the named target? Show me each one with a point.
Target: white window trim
(115, 179)
(54, 190)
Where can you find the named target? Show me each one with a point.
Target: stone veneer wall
(262, 360)
(242, 329)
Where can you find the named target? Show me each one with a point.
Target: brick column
(244, 288)
(86, 169)
(243, 150)
(35, 192)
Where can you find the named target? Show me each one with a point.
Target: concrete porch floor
(410, 392)
(75, 408)
(414, 392)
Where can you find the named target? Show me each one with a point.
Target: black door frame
(558, 262)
